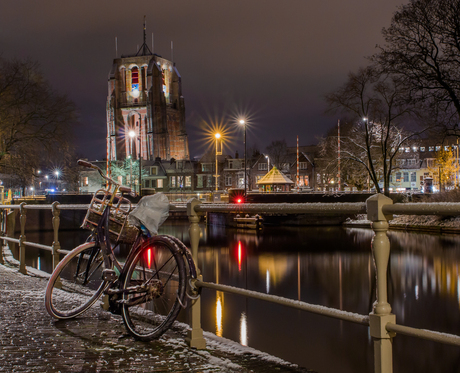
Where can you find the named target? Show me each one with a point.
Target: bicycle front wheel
(154, 288)
(80, 284)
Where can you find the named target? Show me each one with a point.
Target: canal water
(328, 266)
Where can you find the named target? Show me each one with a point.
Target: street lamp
(132, 135)
(242, 122)
(268, 160)
(368, 165)
(217, 135)
(56, 173)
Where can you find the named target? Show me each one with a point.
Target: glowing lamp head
(135, 93)
(217, 135)
(132, 134)
(242, 121)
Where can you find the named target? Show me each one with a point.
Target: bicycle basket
(119, 228)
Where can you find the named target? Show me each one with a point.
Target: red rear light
(239, 200)
(149, 257)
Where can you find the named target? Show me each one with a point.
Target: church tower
(145, 108)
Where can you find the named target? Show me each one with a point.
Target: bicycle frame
(102, 240)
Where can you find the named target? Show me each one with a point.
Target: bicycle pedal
(109, 275)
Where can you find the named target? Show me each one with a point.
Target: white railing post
(22, 239)
(195, 337)
(381, 312)
(3, 233)
(56, 246)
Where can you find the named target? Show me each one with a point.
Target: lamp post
(242, 122)
(131, 134)
(368, 164)
(268, 160)
(56, 173)
(217, 135)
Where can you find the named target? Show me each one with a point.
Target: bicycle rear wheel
(154, 284)
(80, 284)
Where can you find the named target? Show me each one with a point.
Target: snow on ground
(222, 346)
(421, 220)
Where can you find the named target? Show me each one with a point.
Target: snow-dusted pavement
(32, 341)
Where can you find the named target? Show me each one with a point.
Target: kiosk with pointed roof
(275, 181)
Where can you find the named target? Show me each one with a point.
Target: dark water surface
(329, 266)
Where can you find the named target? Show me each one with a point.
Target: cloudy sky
(272, 61)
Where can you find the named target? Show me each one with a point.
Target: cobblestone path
(32, 341)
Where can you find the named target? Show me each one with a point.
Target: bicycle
(148, 289)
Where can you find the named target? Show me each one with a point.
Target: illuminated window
(188, 181)
(180, 181)
(413, 176)
(134, 79)
(422, 148)
(262, 166)
(172, 181)
(228, 181)
(85, 181)
(160, 183)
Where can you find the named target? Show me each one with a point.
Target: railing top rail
(47, 207)
(177, 207)
(420, 208)
(292, 208)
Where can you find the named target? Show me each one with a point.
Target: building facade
(145, 109)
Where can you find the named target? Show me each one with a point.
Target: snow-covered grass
(412, 220)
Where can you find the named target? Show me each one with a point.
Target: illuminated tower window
(135, 82)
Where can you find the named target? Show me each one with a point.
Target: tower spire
(144, 49)
(144, 30)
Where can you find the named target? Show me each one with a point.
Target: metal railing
(8, 227)
(382, 322)
(379, 210)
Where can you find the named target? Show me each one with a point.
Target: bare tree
(422, 47)
(31, 113)
(376, 103)
(278, 153)
(352, 173)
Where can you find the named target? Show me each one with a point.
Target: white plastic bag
(150, 212)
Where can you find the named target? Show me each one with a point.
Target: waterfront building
(145, 108)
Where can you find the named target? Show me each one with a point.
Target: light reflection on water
(328, 266)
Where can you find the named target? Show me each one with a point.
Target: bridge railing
(381, 321)
(379, 210)
(8, 227)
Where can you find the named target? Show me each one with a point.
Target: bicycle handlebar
(121, 188)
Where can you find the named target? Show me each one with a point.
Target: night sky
(272, 61)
